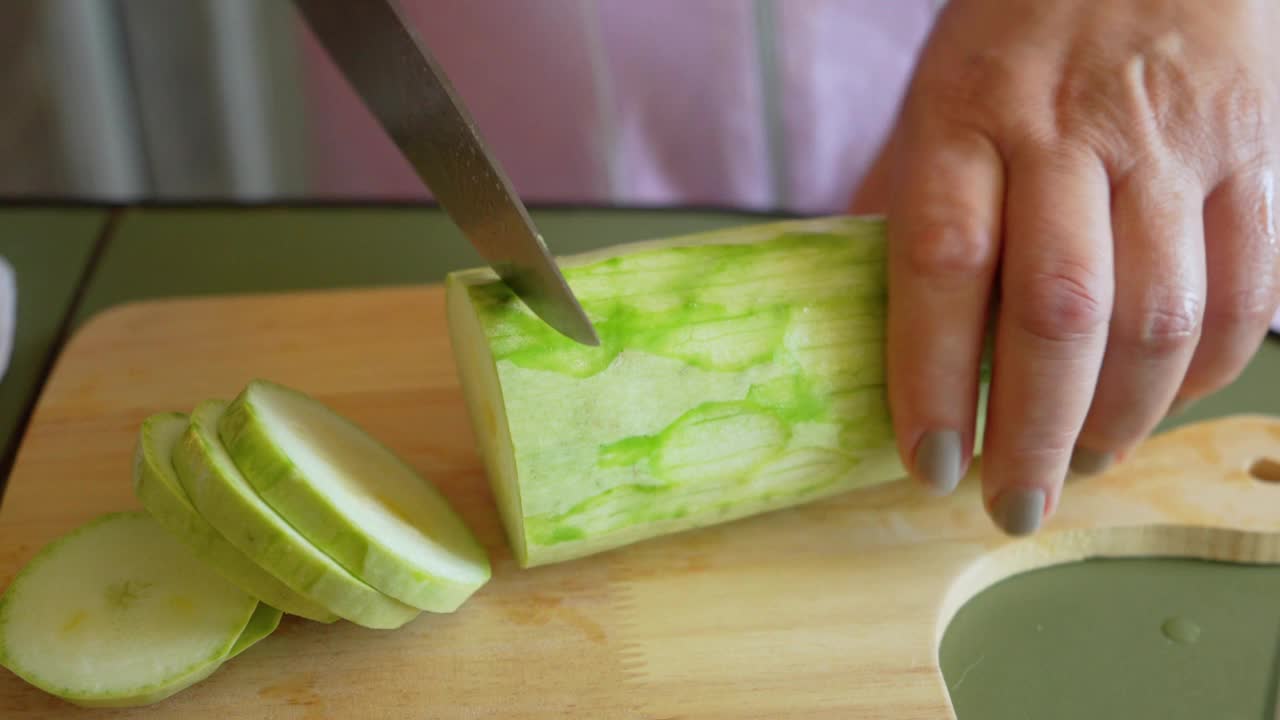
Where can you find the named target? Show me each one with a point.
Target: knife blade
(389, 66)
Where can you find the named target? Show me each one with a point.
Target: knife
(389, 66)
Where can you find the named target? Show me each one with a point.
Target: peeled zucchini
(739, 371)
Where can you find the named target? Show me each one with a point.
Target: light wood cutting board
(830, 610)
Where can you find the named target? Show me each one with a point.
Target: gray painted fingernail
(1089, 462)
(1019, 510)
(938, 460)
(1180, 406)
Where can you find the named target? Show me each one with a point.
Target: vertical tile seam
(9, 448)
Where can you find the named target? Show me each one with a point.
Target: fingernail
(1019, 510)
(938, 460)
(1180, 406)
(1089, 462)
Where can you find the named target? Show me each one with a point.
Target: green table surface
(1076, 641)
(163, 252)
(168, 252)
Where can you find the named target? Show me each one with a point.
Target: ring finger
(1160, 270)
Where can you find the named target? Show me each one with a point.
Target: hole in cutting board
(1265, 470)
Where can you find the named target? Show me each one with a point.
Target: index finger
(1057, 290)
(944, 226)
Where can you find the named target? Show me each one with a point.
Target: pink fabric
(524, 71)
(660, 102)
(643, 103)
(845, 65)
(686, 97)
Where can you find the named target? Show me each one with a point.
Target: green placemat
(49, 250)
(170, 252)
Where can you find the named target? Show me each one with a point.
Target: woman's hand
(1101, 175)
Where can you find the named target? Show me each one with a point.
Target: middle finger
(1057, 293)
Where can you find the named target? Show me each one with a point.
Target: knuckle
(1245, 108)
(1045, 446)
(1245, 121)
(1054, 442)
(943, 251)
(1243, 308)
(1065, 156)
(981, 81)
(1062, 305)
(1081, 101)
(1165, 326)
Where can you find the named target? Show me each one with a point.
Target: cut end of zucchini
(739, 371)
(117, 613)
(353, 497)
(482, 391)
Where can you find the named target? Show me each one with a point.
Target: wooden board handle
(1215, 486)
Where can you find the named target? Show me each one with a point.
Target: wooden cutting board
(830, 610)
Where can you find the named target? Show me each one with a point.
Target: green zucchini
(739, 371)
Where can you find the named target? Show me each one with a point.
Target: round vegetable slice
(118, 613)
(230, 504)
(353, 498)
(157, 486)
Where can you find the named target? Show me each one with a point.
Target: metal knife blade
(389, 66)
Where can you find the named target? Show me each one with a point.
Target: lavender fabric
(750, 104)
